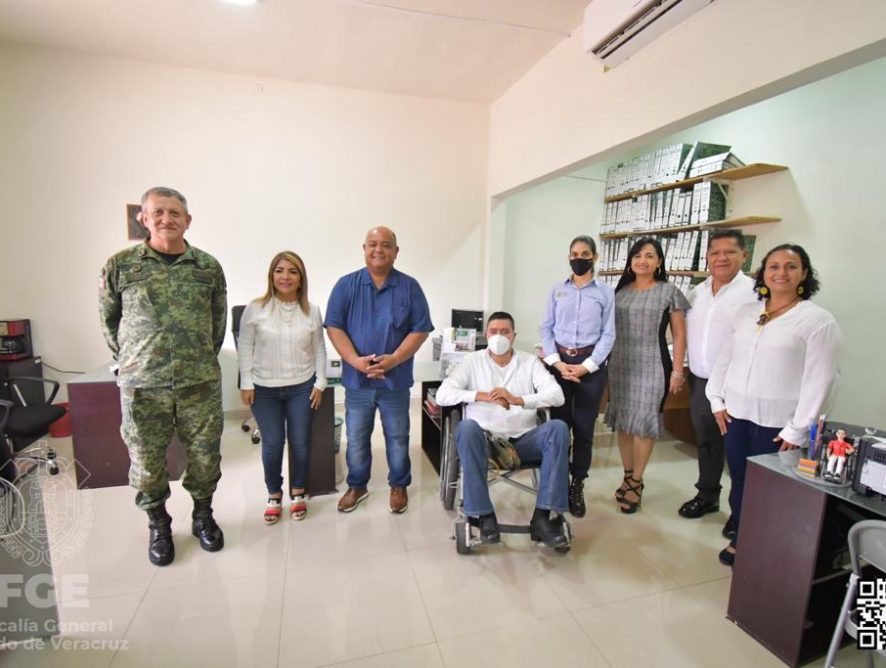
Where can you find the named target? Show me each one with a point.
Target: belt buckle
(572, 352)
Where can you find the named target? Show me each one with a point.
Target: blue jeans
(360, 407)
(547, 444)
(284, 413)
(744, 439)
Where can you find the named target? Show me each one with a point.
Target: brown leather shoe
(399, 500)
(351, 499)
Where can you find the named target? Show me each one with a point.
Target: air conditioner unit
(614, 30)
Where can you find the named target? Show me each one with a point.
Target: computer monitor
(467, 319)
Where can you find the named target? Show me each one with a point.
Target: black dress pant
(710, 442)
(580, 412)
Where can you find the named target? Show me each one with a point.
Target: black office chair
(464, 528)
(249, 423)
(26, 423)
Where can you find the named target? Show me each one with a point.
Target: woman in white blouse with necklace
(283, 375)
(776, 374)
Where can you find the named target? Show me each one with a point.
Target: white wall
(832, 136)
(730, 54)
(539, 226)
(266, 165)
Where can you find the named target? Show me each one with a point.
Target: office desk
(321, 470)
(789, 577)
(102, 459)
(677, 419)
(427, 374)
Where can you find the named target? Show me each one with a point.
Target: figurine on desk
(837, 451)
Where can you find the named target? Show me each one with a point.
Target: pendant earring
(800, 290)
(763, 290)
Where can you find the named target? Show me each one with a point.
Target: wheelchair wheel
(462, 537)
(245, 427)
(563, 549)
(449, 461)
(255, 440)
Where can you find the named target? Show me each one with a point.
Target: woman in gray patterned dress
(640, 370)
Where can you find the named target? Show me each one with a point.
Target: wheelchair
(465, 530)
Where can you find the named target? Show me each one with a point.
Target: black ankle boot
(204, 527)
(543, 529)
(577, 497)
(161, 550)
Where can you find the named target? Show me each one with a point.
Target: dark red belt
(575, 352)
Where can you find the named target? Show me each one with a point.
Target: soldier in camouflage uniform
(163, 310)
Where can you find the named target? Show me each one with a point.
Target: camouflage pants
(150, 417)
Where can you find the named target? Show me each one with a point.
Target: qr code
(871, 604)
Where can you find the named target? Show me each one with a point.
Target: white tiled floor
(371, 589)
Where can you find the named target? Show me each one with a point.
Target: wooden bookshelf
(734, 174)
(741, 221)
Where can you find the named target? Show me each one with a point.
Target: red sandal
(272, 510)
(299, 507)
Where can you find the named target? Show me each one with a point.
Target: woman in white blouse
(777, 372)
(282, 376)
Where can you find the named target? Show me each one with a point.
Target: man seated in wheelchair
(502, 389)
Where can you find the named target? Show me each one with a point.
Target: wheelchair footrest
(513, 528)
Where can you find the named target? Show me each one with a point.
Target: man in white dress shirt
(503, 388)
(714, 303)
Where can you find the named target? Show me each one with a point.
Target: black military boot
(204, 527)
(161, 551)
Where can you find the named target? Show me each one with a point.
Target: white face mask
(498, 344)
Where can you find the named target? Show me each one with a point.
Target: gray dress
(640, 366)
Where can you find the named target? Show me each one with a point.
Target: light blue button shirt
(579, 317)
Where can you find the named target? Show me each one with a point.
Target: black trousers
(580, 412)
(710, 442)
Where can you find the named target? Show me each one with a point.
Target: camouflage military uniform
(165, 324)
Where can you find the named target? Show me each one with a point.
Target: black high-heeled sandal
(620, 493)
(625, 505)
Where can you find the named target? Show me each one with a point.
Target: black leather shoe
(577, 498)
(161, 550)
(698, 507)
(726, 557)
(542, 529)
(204, 527)
(729, 529)
(489, 532)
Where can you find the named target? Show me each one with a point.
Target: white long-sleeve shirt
(709, 321)
(281, 345)
(524, 376)
(782, 374)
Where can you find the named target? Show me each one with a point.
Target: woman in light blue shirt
(577, 334)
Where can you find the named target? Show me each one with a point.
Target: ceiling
(469, 50)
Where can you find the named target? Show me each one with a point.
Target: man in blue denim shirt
(377, 318)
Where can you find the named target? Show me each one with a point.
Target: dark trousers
(745, 439)
(710, 442)
(579, 412)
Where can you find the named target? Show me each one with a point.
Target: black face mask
(581, 266)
